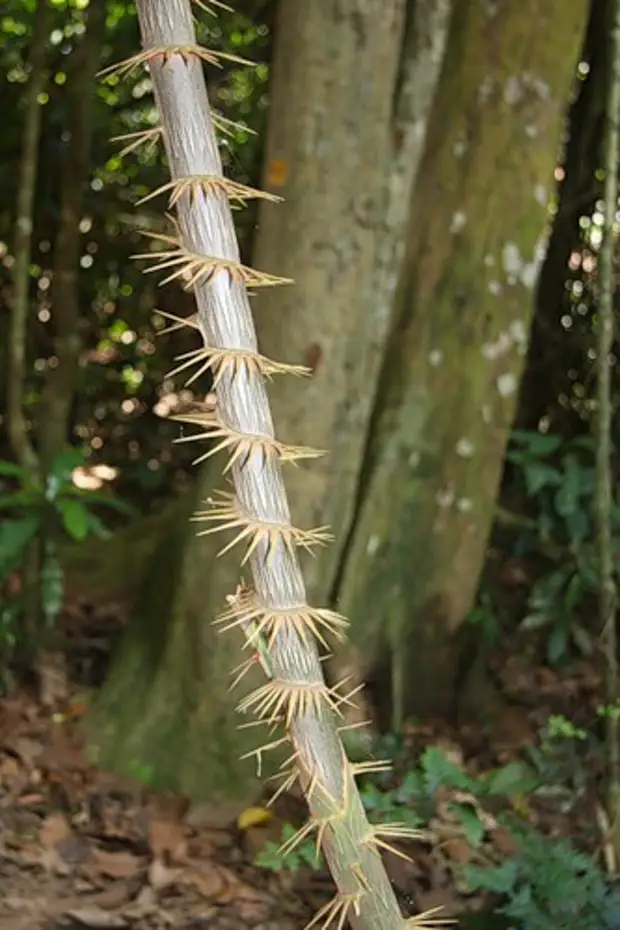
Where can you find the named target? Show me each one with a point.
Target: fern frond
(228, 513)
(209, 184)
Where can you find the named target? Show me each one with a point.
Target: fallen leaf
(166, 827)
(457, 849)
(503, 841)
(54, 830)
(145, 904)
(29, 800)
(10, 769)
(253, 817)
(161, 875)
(115, 864)
(97, 918)
(27, 749)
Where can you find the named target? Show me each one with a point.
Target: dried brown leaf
(115, 864)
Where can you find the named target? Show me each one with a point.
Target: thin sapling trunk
(604, 481)
(16, 368)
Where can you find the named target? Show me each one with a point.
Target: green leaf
(501, 878)
(471, 823)
(535, 621)
(64, 464)
(13, 470)
(536, 443)
(582, 639)
(75, 517)
(440, 772)
(512, 779)
(15, 536)
(27, 499)
(101, 498)
(538, 475)
(557, 646)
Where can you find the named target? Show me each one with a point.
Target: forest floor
(81, 848)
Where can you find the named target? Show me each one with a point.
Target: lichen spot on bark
(373, 545)
(507, 384)
(465, 448)
(459, 221)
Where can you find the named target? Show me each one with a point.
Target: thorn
(124, 68)
(209, 184)
(256, 533)
(136, 139)
(337, 910)
(425, 921)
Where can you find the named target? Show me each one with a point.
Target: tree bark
(450, 379)
(351, 89)
(166, 707)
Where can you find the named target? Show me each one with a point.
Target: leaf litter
(80, 847)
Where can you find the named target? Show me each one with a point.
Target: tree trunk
(344, 159)
(450, 379)
(350, 92)
(60, 385)
(165, 713)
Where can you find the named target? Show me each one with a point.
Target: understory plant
(542, 882)
(41, 513)
(283, 631)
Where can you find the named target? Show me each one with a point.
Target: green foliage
(412, 801)
(549, 884)
(125, 379)
(273, 859)
(558, 479)
(35, 511)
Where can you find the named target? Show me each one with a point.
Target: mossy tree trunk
(165, 713)
(451, 374)
(351, 92)
(346, 135)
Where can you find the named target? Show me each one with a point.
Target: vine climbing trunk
(281, 629)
